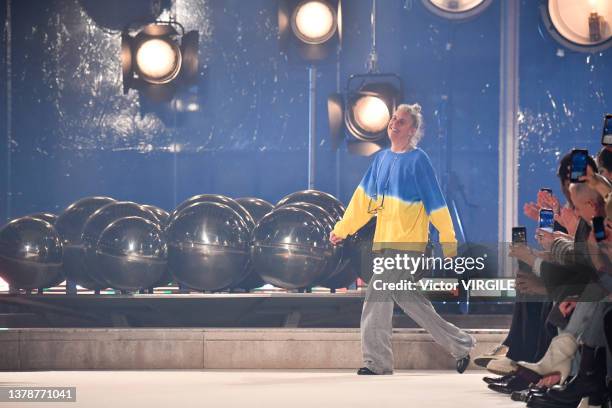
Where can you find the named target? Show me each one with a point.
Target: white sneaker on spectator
(502, 366)
(495, 354)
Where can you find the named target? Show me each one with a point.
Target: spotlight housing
(309, 28)
(364, 111)
(155, 62)
(456, 9)
(583, 26)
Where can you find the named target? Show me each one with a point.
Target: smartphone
(548, 190)
(519, 235)
(606, 136)
(547, 219)
(599, 229)
(578, 164)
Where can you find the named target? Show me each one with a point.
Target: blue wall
(76, 134)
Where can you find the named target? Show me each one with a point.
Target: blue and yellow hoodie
(412, 199)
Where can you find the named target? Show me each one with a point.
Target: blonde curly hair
(417, 120)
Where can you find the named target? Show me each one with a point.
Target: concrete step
(270, 348)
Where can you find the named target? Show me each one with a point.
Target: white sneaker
(495, 354)
(501, 366)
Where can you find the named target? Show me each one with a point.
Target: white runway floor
(263, 388)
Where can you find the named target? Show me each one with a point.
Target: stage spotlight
(580, 25)
(456, 9)
(153, 60)
(364, 111)
(312, 27)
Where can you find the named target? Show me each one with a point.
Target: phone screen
(579, 163)
(519, 234)
(547, 219)
(599, 228)
(606, 138)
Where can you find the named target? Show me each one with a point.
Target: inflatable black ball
(320, 198)
(131, 254)
(216, 198)
(98, 222)
(208, 246)
(69, 226)
(256, 207)
(161, 214)
(50, 218)
(30, 254)
(290, 249)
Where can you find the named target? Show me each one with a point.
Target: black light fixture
(310, 28)
(155, 62)
(366, 106)
(456, 9)
(579, 25)
(364, 111)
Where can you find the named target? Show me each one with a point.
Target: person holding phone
(401, 189)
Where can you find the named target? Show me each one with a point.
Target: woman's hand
(334, 239)
(531, 210)
(568, 218)
(523, 253)
(547, 200)
(545, 238)
(528, 283)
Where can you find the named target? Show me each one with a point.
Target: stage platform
(240, 348)
(259, 309)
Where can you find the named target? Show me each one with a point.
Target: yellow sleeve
(443, 222)
(356, 215)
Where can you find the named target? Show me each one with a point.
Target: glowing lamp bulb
(314, 21)
(371, 114)
(156, 59)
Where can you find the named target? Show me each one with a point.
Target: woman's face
(400, 128)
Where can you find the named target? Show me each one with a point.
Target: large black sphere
(98, 222)
(325, 200)
(30, 254)
(338, 273)
(208, 246)
(290, 249)
(161, 214)
(216, 198)
(50, 218)
(256, 207)
(131, 254)
(69, 226)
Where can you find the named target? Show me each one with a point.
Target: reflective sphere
(256, 207)
(216, 198)
(30, 254)
(69, 226)
(98, 222)
(131, 254)
(50, 218)
(324, 200)
(208, 246)
(337, 274)
(161, 214)
(290, 249)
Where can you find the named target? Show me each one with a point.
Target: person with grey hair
(401, 189)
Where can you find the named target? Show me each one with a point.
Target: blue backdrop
(76, 134)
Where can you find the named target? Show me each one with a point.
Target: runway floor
(263, 388)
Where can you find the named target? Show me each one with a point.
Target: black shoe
(528, 394)
(515, 383)
(497, 380)
(366, 371)
(463, 363)
(545, 401)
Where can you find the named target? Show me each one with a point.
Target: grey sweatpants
(376, 325)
